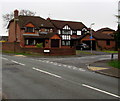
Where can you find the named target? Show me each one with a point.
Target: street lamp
(91, 35)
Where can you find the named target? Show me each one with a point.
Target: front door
(55, 43)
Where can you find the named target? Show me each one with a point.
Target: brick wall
(101, 45)
(9, 46)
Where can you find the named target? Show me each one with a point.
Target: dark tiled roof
(49, 35)
(103, 36)
(99, 34)
(105, 29)
(72, 24)
(37, 21)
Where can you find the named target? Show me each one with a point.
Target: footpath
(102, 66)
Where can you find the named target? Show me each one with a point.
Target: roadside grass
(16, 53)
(114, 63)
(83, 52)
(110, 51)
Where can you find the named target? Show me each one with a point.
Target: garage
(88, 42)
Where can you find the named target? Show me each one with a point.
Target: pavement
(102, 67)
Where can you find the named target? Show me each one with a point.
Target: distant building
(103, 39)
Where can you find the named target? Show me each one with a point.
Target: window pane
(63, 42)
(29, 29)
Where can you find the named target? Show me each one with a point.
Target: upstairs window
(66, 30)
(30, 29)
(74, 32)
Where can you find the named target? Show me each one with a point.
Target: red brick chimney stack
(16, 14)
(48, 19)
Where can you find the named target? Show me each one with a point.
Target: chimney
(48, 19)
(16, 14)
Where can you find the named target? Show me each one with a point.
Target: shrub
(39, 45)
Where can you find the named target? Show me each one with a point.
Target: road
(40, 78)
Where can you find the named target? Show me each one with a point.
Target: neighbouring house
(102, 39)
(69, 31)
(30, 30)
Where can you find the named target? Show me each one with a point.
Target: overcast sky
(100, 12)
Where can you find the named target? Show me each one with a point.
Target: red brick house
(30, 30)
(103, 39)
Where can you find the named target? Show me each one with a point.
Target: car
(82, 46)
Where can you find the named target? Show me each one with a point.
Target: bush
(39, 45)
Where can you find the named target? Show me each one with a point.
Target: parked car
(82, 46)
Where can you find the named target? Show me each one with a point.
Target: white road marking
(65, 65)
(46, 72)
(81, 69)
(4, 58)
(100, 90)
(69, 66)
(21, 64)
(47, 61)
(59, 65)
(18, 63)
(14, 61)
(74, 68)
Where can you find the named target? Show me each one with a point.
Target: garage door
(55, 43)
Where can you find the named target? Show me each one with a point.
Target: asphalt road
(40, 78)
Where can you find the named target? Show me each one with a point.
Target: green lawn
(110, 51)
(115, 63)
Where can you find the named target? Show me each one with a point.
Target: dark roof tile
(72, 24)
(37, 21)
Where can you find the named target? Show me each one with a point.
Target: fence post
(112, 56)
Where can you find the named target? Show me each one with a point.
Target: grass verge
(110, 51)
(16, 53)
(114, 63)
(83, 52)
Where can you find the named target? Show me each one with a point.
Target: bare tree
(27, 13)
(6, 18)
(9, 16)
